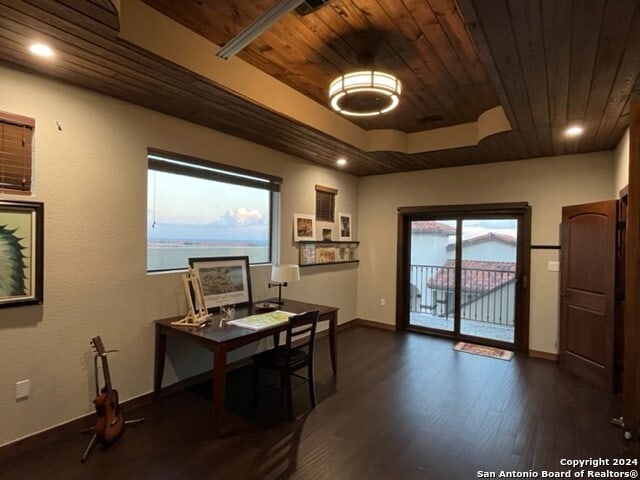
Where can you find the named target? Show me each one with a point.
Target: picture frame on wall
(225, 280)
(22, 244)
(344, 226)
(304, 227)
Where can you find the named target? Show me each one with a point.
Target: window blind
(325, 203)
(196, 167)
(16, 134)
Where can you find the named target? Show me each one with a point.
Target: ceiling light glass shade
(365, 93)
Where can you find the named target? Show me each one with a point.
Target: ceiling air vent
(431, 118)
(308, 6)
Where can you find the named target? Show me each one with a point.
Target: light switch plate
(553, 266)
(22, 389)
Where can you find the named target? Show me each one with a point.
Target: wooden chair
(294, 355)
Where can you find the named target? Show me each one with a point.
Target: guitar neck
(106, 374)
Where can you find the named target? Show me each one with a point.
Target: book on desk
(261, 321)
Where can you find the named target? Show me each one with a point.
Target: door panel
(581, 323)
(488, 278)
(587, 291)
(432, 280)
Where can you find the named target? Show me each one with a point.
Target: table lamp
(281, 275)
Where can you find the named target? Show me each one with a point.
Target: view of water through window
(194, 217)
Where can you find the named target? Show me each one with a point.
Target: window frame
(519, 210)
(180, 164)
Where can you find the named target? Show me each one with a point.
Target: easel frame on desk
(197, 313)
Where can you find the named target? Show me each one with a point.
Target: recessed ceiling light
(573, 131)
(341, 162)
(41, 50)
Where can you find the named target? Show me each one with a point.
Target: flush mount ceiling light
(365, 93)
(574, 131)
(41, 50)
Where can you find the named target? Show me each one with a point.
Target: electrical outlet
(22, 389)
(383, 302)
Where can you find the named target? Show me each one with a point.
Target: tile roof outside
(480, 277)
(429, 226)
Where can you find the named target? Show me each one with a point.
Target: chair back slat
(295, 355)
(301, 331)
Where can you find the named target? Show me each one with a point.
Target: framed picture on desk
(225, 280)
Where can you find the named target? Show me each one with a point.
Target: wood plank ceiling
(427, 48)
(548, 63)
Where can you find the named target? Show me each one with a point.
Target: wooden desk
(220, 340)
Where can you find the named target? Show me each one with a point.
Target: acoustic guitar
(110, 422)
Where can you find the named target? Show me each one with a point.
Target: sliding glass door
(461, 272)
(432, 274)
(488, 277)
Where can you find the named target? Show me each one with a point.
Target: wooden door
(631, 381)
(587, 297)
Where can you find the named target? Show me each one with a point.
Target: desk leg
(333, 327)
(161, 350)
(219, 383)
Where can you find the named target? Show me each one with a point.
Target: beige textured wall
(546, 183)
(621, 155)
(91, 176)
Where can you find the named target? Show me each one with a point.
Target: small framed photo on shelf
(308, 254)
(304, 227)
(326, 254)
(327, 234)
(344, 225)
(225, 280)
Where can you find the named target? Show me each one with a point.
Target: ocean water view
(175, 254)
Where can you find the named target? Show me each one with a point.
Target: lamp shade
(285, 273)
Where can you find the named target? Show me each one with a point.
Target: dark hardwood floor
(404, 406)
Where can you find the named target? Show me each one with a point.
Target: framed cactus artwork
(21, 252)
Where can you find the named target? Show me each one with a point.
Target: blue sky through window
(199, 217)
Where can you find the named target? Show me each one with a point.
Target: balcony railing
(487, 294)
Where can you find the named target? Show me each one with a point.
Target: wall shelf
(327, 252)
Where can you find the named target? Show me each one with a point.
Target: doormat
(484, 351)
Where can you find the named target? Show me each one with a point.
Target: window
(15, 152)
(325, 203)
(197, 208)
